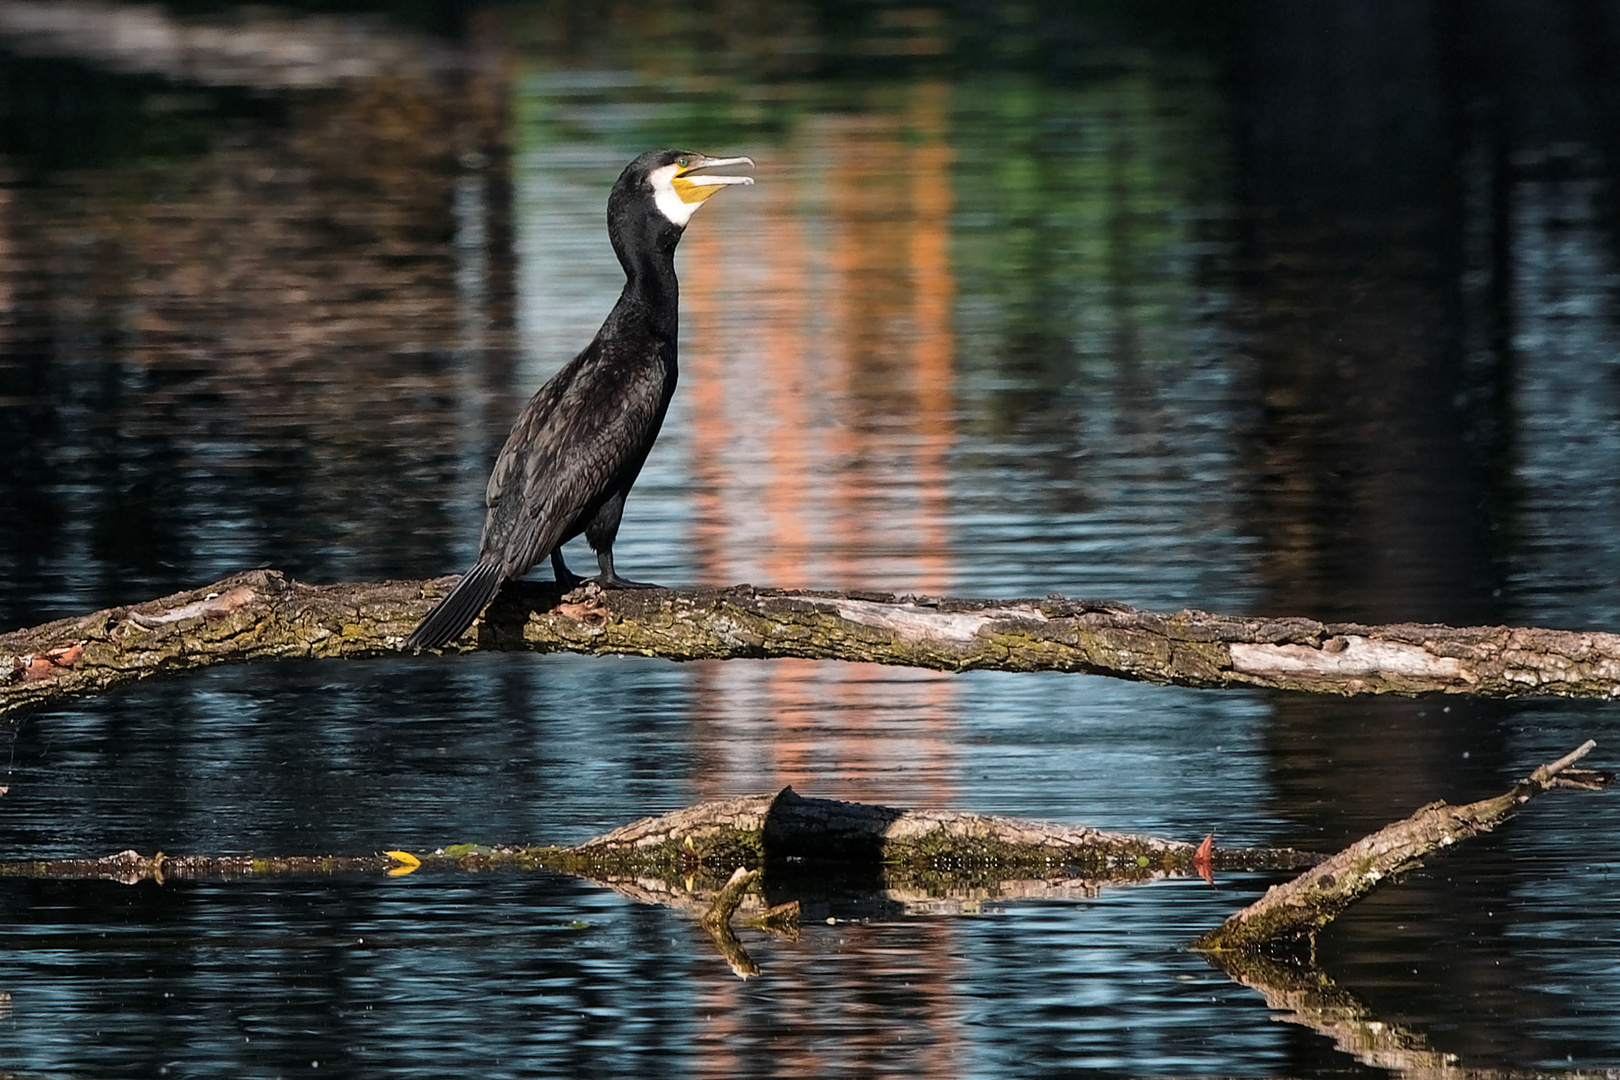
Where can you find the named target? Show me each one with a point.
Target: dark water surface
(1292, 309)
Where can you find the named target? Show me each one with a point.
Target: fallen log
(263, 614)
(788, 827)
(695, 850)
(1294, 912)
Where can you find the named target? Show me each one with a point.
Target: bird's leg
(567, 580)
(609, 579)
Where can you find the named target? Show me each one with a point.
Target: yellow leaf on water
(404, 858)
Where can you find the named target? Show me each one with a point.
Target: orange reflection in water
(819, 371)
(878, 1001)
(818, 367)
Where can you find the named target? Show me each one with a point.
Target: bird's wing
(567, 449)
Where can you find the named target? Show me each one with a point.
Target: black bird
(580, 442)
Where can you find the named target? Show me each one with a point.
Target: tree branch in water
(684, 859)
(264, 615)
(853, 860)
(700, 847)
(1296, 911)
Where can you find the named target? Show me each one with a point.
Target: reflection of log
(1307, 996)
(1296, 910)
(262, 614)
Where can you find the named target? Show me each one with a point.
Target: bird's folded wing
(568, 449)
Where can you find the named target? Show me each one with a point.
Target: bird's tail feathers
(457, 611)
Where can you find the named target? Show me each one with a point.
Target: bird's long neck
(651, 291)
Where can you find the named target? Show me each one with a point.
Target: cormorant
(579, 443)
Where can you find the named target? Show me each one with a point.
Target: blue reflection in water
(545, 975)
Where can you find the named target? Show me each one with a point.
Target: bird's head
(678, 181)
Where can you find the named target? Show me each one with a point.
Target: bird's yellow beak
(693, 187)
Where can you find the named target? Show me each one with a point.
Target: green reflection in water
(1085, 208)
(1084, 213)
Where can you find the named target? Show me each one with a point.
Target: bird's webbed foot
(610, 579)
(614, 581)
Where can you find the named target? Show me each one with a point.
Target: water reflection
(1389, 248)
(240, 355)
(1293, 311)
(819, 433)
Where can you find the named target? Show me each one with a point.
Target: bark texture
(262, 615)
(787, 827)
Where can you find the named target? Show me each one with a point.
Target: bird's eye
(682, 161)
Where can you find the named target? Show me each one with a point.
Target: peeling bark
(262, 615)
(1296, 911)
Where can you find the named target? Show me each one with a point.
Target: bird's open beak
(693, 186)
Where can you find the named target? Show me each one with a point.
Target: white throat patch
(670, 204)
(678, 194)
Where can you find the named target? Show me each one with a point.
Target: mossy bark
(264, 615)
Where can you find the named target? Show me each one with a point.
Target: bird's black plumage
(578, 445)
